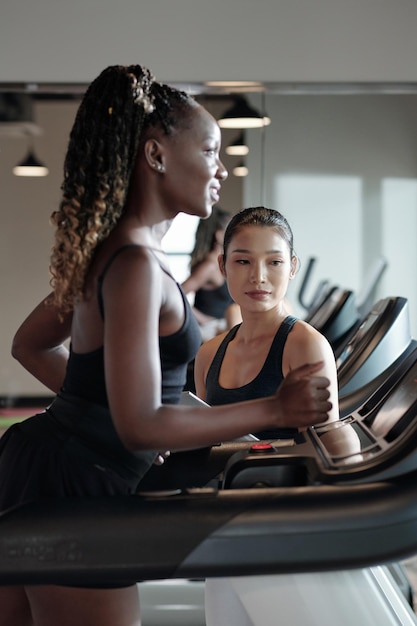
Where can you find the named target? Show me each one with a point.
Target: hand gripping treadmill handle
(202, 533)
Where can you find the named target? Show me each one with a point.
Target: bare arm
(133, 375)
(196, 280)
(39, 345)
(199, 276)
(201, 318)
(306, 344)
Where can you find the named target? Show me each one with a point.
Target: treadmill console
(374, 443)
(336, 316)
(381, 338)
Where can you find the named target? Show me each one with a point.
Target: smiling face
(258, 267)
(193, 170)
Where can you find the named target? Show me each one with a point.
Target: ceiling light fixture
(240, 170)
(241, 115)
(238, 147)
(30, 166)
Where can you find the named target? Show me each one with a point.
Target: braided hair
(115, 112)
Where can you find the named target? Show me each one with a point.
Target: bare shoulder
(206, 353)
(306, 344)
(303, 332)
(132, 284)
(209, 348)
(198, 277)
(130, 262)
(131, 252)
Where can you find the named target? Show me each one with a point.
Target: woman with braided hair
(139, 153)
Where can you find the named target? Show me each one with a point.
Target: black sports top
(263, 385)
(85, 372)
(213, 302)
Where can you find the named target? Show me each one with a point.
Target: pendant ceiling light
(242, 115)
(30, 166)
(240, 170)
(238, 147)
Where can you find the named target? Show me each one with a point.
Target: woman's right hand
(302, 399)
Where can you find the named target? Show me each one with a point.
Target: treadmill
(335, 316)
(316, 546)
(375, 348)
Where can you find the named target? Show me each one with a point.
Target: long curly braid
(117, 109)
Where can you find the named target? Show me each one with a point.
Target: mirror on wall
(341, 164)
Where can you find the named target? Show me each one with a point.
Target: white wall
(195, 40)
(343, 170)
(25, 234)
(309, 141)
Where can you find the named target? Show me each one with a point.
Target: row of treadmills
(317, 526)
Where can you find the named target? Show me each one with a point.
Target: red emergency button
(261, 447)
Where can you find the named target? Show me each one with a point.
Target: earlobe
(154, 155)
(294, 265)
(220, 260)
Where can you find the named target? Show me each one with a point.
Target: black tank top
(85, 372)
(263, 385)
(213, 302)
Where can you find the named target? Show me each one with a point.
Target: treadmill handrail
(321, 289)
(236, 532)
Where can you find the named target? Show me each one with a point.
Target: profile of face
(193, 171)
(258, 267)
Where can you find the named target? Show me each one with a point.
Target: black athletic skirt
(69, 450)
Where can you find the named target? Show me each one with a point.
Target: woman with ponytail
(139, 153)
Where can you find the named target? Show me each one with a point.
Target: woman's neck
(143, 232)
(256, 326)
